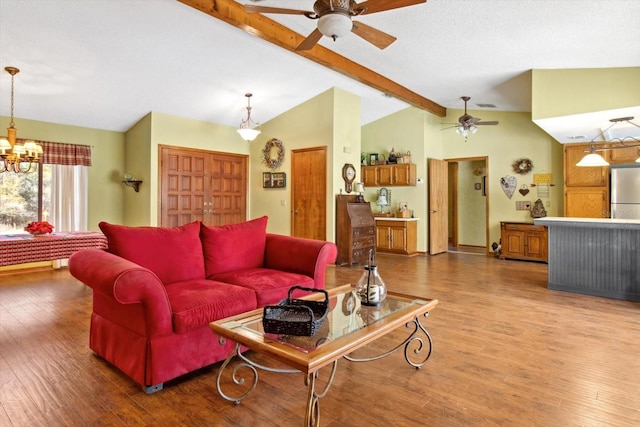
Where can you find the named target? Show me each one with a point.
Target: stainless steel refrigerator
(625, 191)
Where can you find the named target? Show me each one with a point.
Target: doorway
(468, 205)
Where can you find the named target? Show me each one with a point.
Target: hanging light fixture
(17, 157)
(592, 159)
(249, 130)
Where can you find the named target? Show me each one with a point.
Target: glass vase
(371, 288)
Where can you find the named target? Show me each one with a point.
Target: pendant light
(249, 130)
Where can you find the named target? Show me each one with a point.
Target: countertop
(589, 222)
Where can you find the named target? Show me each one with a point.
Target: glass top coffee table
(348, 327)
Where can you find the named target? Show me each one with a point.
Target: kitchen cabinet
(577, 176)
(523, 240)
(397, 235)
(401, 174)
(624, 155)
(586, 189)
(355, 230)
(586, 202)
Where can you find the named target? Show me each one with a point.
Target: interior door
(309, 193)
(438, 206)
(197, 185)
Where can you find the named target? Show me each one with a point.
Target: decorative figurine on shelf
(538, 210)
(371, 288)
(393, 159)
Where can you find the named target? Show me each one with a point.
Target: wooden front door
(197, 185)
(309, 193)
(438, 206)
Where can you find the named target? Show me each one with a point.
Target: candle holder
(371, 288)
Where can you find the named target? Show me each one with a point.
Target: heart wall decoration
(524, 190)
(508, 184)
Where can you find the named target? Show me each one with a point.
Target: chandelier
(17, 157)
(249, 130)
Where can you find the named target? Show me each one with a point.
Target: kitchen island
(594, 256)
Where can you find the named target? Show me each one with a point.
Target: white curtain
(69, 197)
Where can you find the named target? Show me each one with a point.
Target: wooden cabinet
(624, 155)
(355, 230)
(397, 236)
(586, 202)
(577, 176)
(586, 189)
(401, 174)
(522, 240)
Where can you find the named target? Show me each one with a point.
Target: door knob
(432, 211)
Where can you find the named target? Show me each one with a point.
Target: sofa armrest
(297, 255)
(125, 282)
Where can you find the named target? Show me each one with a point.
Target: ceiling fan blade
(373, 6)
(486, 123)
(374, 36)
(311, 40)
(263, 9)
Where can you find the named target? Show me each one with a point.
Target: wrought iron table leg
(413, 338)
(312, 417)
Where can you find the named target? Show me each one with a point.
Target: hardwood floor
(507, 351)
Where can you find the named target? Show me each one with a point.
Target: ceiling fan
(467, 124)
(335, 19)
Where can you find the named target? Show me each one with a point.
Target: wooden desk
(24, 248)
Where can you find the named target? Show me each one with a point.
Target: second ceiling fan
(335, 19)
(467, 123)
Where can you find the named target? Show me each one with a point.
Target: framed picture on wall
(373, 158)
(274, 180)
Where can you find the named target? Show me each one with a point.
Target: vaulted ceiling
(105, 64)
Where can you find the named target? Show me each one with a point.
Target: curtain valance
(58, 153)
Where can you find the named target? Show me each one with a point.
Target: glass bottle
(371, 288)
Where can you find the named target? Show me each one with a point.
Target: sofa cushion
(270, 286)
(197, 303)
(173, 254)
(234, 246)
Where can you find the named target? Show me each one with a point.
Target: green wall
(330, 119)
(106, 191)
(567, 92)
(516, 136)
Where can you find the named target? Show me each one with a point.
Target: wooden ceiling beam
(267, 29)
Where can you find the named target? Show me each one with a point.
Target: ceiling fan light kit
(335, 25)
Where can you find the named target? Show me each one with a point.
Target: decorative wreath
(522, 166)
(273, 163)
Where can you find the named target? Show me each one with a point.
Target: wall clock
(348, 174)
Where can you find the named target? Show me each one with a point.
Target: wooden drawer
(523, 227)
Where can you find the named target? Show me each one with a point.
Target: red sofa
(156, 290)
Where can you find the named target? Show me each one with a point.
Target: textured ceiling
(105, 64)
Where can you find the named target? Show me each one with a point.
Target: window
(57, 192)
(23, 200)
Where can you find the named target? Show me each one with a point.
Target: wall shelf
(135, 184)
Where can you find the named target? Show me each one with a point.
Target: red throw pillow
(234, 247)
(173, 254)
